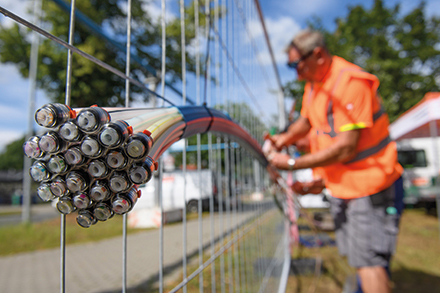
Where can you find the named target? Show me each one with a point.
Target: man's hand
(279, 160)
(279, 141)
(295, 131)
(273, 140)
(315, 187)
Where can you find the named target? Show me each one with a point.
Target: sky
(283, 19)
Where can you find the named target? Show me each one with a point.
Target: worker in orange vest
(357, 160)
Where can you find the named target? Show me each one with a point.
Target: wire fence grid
(238, 241)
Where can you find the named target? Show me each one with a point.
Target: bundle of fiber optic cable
(92, 160)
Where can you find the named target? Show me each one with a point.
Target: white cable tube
(75, 157)
(77, 181)
(159, 127)
(44, 192)
(114, 134)
(141, 173)
(98, 169)
(100, 191)
(69, 131)
(123, 202)
(81, 200)
(90, 120)
(117, 160)
(103, 211)
(91, 148)
(86, 218)
(143, 122)
(53, 115)
(52, 143)
(65, 205)
(143, 114)
(57, 165)
(31, 148)
(172, 134)
(138, 146)
(39, 172)
(119, 182)
(58, 187)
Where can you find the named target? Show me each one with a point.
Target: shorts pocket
(384, 233)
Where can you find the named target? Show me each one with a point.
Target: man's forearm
(297, 130)
(343, 150)
(322, 158)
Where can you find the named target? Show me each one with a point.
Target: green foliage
(246, 117)
(295, 89)
(191, 157)
(12, 156)
(92, 84)
(402, 51)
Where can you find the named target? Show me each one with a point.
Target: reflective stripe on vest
(371, 151)
(332, 133)
(330, 120)
(378, 114)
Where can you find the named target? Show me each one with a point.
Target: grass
(9, 213)
(46, 235)
(416, 264)
(414, 268)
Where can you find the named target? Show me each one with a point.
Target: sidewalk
(39, 212)
(97, 267)
(41, 207)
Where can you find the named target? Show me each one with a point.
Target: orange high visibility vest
(347, 99)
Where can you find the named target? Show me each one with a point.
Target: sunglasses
(294, 64)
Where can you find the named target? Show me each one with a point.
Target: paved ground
(97, 267)
(39, 212)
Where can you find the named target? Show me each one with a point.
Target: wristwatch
(291, 163)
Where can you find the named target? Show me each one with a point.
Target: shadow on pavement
(409, 280)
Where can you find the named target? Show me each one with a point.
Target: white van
(198, 186)
(419, 157)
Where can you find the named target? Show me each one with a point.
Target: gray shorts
(367, 227)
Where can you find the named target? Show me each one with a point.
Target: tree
(12, 156)
(92, 84)
(402, 51)
(294, 89)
